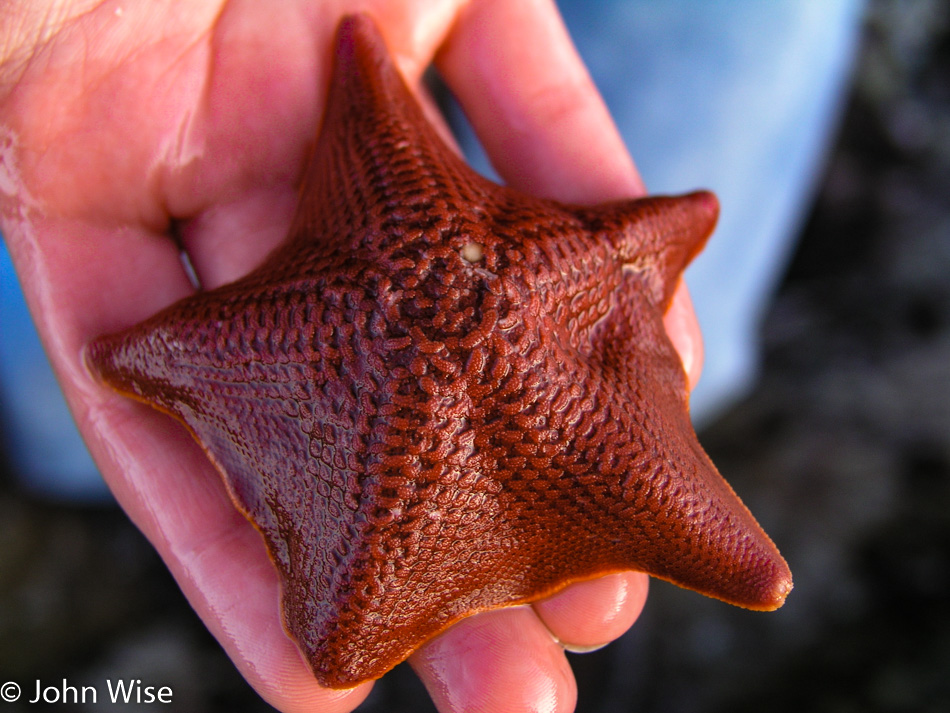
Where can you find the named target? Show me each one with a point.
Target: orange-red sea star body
(442, 396)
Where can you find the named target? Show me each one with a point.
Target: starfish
(441, 396)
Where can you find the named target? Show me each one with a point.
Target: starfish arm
(286, 429)
(378, 162)
(685, 523)
(657, 236)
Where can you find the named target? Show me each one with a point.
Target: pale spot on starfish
(473, 252)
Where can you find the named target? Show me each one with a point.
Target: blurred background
(840, 446)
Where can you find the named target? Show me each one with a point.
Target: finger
(504, 660)
(233, 185)
(591, 614)
(683, 327)
(225, 242)
(532, 103)
(82, 280)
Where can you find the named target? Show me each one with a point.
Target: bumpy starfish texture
(442, 396)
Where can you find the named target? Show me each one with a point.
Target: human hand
(118, 129)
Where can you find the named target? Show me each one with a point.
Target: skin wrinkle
(38, 24)
(187, 145)
(187, 187)
(102, 66)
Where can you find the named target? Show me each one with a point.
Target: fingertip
(682, 326)
(503, 660)
(588, 615)
(291, 688)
